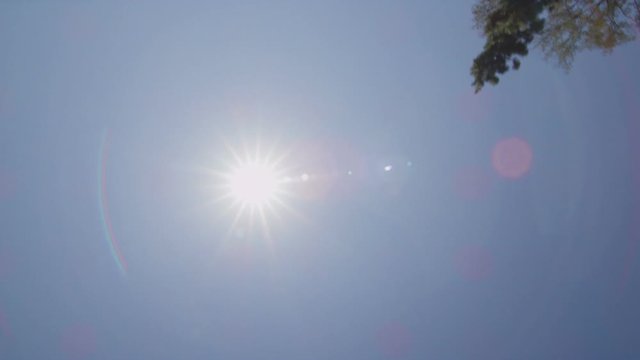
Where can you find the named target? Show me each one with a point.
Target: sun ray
(237, 217)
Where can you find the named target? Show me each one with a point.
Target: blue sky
(506, 228)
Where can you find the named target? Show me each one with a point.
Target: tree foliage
(560, 28)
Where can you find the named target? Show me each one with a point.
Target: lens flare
(103, 199)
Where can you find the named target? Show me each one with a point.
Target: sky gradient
(435, 223)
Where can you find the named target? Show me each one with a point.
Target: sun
(256, 189)
(254, 184)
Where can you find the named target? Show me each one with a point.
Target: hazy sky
(434, 224)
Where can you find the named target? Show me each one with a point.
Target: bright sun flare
(257, 190)
(253, 184)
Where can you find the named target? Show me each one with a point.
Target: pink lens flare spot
(512, 157)
(474, 262)
(472, 182)
(78, 341)
(394, 340)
